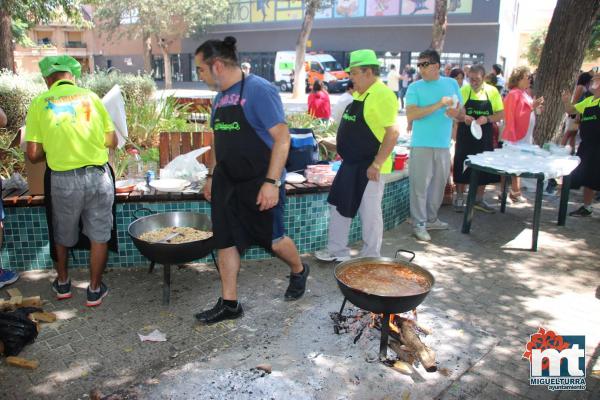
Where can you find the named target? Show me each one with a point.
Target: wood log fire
(410, 339)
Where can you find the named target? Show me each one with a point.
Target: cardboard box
(35, 172)
(35, 176)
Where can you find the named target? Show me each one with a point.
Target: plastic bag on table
(15, 181)
(186, 166)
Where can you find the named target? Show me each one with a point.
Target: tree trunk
(164, 49)
(147, 53)
(568, 36)
(307, 23)
(440, 21)
(7, 59)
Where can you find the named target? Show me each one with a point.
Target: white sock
(63, 283)
(97, 290)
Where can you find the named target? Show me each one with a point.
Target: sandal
(517, 197)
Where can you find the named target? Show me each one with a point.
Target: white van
(318, 66)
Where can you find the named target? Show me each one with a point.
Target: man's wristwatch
(276, 182)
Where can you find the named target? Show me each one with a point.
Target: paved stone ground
(490, 295)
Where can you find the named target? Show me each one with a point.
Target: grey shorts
(84, 193)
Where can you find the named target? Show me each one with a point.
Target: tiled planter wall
(306, 218)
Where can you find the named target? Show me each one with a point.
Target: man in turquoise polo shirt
(70, 129)
(365, 139)
(431, 108)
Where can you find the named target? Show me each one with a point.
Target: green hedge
(16, 93)
(136, 89)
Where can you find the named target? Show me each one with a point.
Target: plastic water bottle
(135, 168)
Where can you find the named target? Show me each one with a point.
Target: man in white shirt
(393, 80)
(342, 103)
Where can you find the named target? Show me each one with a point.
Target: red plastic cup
(400, 161)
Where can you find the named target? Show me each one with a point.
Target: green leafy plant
(145, 121)
(12, 159)
(16, 93)
(120, 162)
(150, 155)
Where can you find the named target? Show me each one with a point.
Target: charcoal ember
(16, 330)
(340, 323)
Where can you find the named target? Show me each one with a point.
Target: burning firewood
(403, 339)
(423, 353)
(397, 319)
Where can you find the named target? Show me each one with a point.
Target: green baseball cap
(361, 58)
(51, 64)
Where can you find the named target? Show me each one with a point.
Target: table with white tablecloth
(526, 161)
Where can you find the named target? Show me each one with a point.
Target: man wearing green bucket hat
(69, 128)
(365, 139)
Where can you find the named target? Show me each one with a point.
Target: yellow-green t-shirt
(486, 92)
(70, 122)
(586, 103)
(380, 112)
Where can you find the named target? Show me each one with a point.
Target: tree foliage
(534, 47)
(40, 11)
(19, 31)
(17, 16)
(593, 49)
(537, 40)
(163, 20)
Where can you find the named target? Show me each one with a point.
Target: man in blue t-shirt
(432, 103)
(244, 186)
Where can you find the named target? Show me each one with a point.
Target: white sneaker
(436, 225)
(421, 233)
(481, 205)
(324, 255)
(459, 204)
(517, 197)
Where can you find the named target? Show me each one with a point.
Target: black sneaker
(551, 186)
(62, 291)
(297, 284)
(581, 212)
(95, 298)
(219, 312)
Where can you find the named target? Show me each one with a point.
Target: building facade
(57, 38)
(479, 31)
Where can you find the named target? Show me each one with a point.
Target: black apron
(242, 163)
(467, 145)
(84, 242)
(358, 146)
(587, 172)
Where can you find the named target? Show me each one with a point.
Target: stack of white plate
(169, 185)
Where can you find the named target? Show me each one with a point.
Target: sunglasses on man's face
(424, 64)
